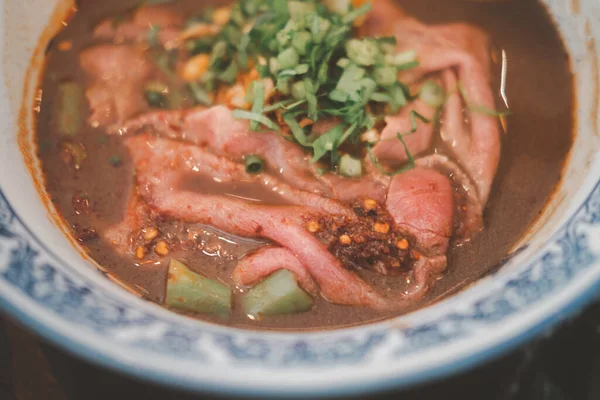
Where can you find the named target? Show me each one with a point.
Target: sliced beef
(117, 75)
(468, 216)
(421, 203)
(157, 180)
(254, 267)
(452, 47)
(216, 129)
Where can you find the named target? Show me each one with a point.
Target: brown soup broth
(538, 139)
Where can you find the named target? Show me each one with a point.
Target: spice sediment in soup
(92, 198)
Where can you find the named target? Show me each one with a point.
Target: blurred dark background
(563, 364)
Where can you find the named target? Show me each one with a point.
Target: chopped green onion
(318, 28)
(478, 108)
(258, 101)
(357, 12)
(408, 65)
(299, 9)
(200, 45)
(301, 41)
(229, 75)
(115, 160)
(413, 124)
(298, 90)
(408, 166)
(254, 164)
(386, 76)
(189, 291)
(326, 142)
(350, 166)
(153, 35)
(404, 57)
(156, 94)
(199, 94)
(296, 129)
(362, 51)
(432, 94)
(288, 58)
(338, 6)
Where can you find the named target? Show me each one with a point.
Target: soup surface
(144, 185)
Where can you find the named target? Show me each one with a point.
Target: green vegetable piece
(319, 28)
(386, 76)
(300, 9)
(156, 94)
(338, 6)
(254, 164)
(350, 166)
(153, 32)
(155, 99)
(218, 52)
(273, 65)
(301, 41)
(288, 58)
(258, 101)
(343, 63)
(283, 38)
(362, 51)
(432, 94)
(229, 75)
(200, 45)
(277, 294)
(242, 114)
(297, 130)
(302, 69)
(298, 90)
(189, 291)
(326, 142)
(70, 99)
(357, 12)
(199, 94)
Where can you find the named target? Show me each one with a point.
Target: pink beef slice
(421, 204)
(117, 75)
(216, 129)
(463, 50)
(262, 263)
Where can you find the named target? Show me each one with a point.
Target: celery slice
(279, 293)
(189, 291)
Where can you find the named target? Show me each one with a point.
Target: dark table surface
(564, 364)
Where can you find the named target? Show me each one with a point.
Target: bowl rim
(197, 384)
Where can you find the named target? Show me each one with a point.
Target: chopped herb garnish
(44, 145)
(478, 108)
(258, 102)
(241, 114)
(115, 160)
(254, 165)
(153, 35)
(320, 71)
(102, 139)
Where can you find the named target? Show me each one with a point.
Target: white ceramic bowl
(46, 284)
